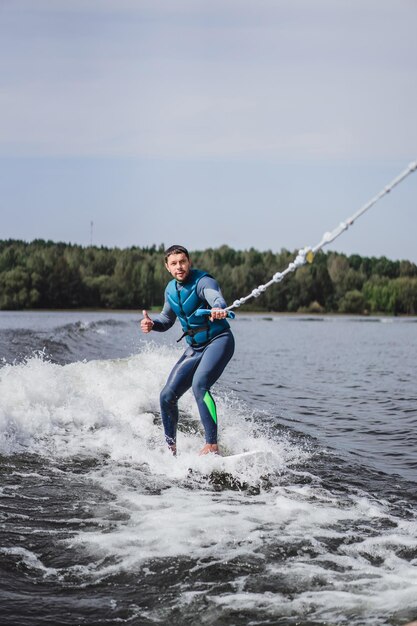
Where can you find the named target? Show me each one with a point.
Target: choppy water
(100, 525)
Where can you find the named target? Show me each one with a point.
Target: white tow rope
(307, 254)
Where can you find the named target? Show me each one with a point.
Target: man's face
(178, 266)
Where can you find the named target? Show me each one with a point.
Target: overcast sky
(257, 123)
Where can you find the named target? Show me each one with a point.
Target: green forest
(48, 275)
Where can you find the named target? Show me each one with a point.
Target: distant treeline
(48, 275)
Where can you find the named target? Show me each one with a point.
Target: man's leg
(213, 361)
(179, 381)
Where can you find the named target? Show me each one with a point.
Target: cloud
(190, 79)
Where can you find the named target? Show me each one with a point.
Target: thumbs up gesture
(146, 324)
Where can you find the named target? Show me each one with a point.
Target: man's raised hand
(146, 324)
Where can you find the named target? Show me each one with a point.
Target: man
(210, 343)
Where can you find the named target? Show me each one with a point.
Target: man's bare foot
(173, 449)
(209, 448)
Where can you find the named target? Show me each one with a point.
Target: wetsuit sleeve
(165, 319)
(208, 289)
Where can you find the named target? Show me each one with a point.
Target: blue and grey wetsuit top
(199, 291)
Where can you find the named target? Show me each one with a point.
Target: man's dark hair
(176, 250)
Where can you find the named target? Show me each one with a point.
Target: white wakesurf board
(229, 461)
(242, 455)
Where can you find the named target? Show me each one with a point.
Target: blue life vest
(184, 301)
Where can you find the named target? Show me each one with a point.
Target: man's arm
(161, 322)
(208, 289)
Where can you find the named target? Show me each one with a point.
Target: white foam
(111, 408)
(29, 559)
(64, 410)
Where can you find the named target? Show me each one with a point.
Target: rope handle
(208, 312)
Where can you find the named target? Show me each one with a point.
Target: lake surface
(101, 525)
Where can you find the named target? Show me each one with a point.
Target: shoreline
(237, 311)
